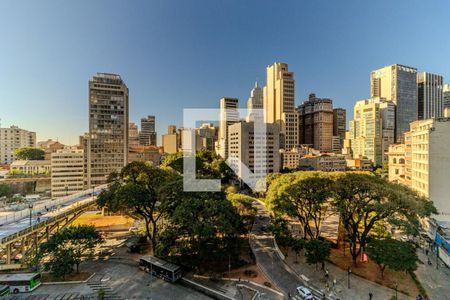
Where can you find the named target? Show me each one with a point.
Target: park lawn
(370, 271)
(98, 220)
(81, 276)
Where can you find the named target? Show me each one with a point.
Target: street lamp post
(349, 271)
(396, 288)
(30, 206)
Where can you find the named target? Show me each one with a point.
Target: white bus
(21, 282)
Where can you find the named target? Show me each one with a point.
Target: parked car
(305, 293)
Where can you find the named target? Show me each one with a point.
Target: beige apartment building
(14, 138)
(171, 140)
(107, 146)
(67, 171)
(279, 103)
(229, 115)
(243, 146)
(427, 162)
(255, 102)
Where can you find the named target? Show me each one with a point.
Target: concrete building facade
(67, 171)
(255, 101)
(229, 115)
(147, 135)
(108, 127)
(14, 138)
(242, 146)
(326, 162)
(279, 103)
(133, 135)
(315, 123)
(430, 96)
(398, 84)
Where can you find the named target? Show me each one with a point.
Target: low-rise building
(50, 146)
(359, 164)
(326, 162)
(67, 171)
(145, 154)
(397, 163)
(31, 167)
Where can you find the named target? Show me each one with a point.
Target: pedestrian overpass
(24, 230)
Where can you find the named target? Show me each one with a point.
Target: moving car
(304, 293)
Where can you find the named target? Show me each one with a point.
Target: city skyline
(191, 65)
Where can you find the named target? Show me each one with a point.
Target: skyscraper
(366, 132)
(339, 123)
(255, 101)
(229, 114)
(429, 96)
(133, 135)
(108, 127)
(446, 97)
(147, 136)
(315, 123)
(398, 84)
(279, 103)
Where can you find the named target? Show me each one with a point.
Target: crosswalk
(96, 284)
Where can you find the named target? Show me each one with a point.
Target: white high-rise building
(229, 115)
(279, 103)
(243, 146)
(255, 101)
(371, 130)
(14, 138)
(430, 96)
(67, 171)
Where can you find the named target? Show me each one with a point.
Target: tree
(68, 247)
(29, 153)
(5, 190)
(142, 191)
(317, 251)
(243, 203)
(364, 200)
(204, 226)
(302, 195)
(396, 255)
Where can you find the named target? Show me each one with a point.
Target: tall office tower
(446, 96)
(241, 145)
(367, 129)
(67, 171)
(430, 96)
(108, 127)
(228, 115)
(339, 123)
(133, 135)
(14, 138)
(315, 123)
(147, 136)
(398, 84)
(255, 101)
(279, 104)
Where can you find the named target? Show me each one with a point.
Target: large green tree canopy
(29, 153)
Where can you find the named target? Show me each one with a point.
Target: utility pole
(349, 271)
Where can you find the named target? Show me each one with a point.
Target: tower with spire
(255, 101)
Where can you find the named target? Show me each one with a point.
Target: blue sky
(187, 54)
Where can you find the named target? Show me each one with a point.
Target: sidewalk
(435, 281)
